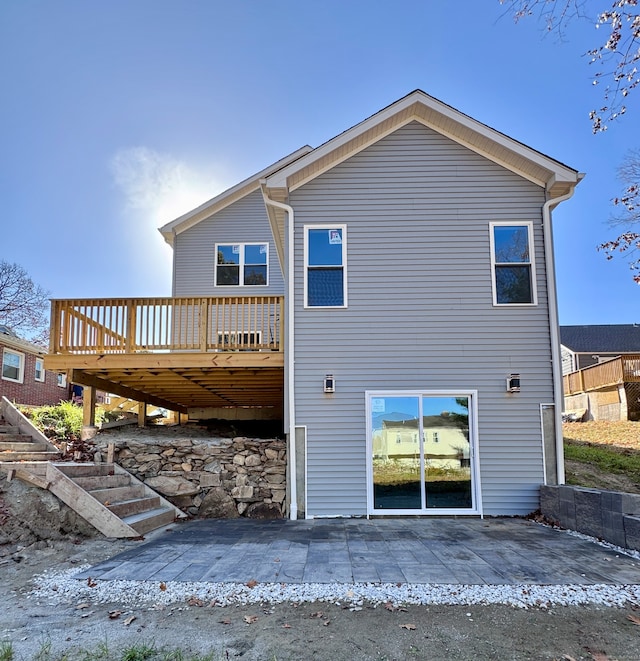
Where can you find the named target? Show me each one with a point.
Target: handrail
(623, 369)
(150, 325)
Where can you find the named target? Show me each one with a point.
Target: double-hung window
(12, 365)
(39, 371)
(242, 264)
(325, 259)
(513, 264)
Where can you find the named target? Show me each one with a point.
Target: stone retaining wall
(609, 515)
(210, 478)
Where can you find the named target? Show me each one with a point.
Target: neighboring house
(398, 275)
(583, 346)
(601, 370)
(24, 379)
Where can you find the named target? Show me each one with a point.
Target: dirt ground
(37, 533)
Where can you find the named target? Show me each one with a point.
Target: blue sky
(119, 116)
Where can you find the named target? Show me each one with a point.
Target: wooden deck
(623, 369)
(177, 353)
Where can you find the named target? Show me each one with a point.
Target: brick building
(23, 378)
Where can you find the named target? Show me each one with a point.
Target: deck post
(89, 429)
(142, 414)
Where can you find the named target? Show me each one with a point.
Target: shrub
(61, 422)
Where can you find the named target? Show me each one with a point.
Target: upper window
(325, 258)
(40, 373)
(513, 264)
(12, 365)
(242, 264)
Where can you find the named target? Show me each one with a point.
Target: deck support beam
(84, 379)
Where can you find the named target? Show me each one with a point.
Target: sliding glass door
(421, 449)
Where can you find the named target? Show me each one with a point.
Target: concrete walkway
(443, 550)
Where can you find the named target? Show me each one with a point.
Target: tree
(628, 242)
(24, 306)
(617, 57)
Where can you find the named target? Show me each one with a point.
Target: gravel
(62, 588)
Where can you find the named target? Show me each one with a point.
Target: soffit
(418, 106)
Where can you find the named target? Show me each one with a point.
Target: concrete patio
(493, 551)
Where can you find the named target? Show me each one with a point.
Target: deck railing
(623, 369)
(139, 325)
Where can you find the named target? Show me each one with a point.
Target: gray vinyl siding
(244, 221)
(417, 207)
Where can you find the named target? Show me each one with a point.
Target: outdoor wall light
(513, 383)
(329, 383)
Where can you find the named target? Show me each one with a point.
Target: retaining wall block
(613, 527)
(632, 531)
(630, 503)
(567, 506)
(588, 512)
(550, 502)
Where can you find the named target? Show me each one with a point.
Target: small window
(513, 264)
(12, 365)
(436, 437)
(242, 264)
(325, 260)
(40, 373)
(62, 380)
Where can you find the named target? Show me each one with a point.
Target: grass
(102, 652)
(605, 458)
(6, 651)
(604, 449)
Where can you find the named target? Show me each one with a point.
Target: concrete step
(95, 482)
(85, 470)
(136, 506)
(9, 455)
(146, 521)
(22, 446)
(8, 429)
(118, 494)
(16, 438)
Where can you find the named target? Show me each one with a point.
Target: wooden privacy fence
(137, 325)
(623, 369)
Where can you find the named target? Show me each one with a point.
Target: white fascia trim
(226, 198)
(21, 345)
(557, 171)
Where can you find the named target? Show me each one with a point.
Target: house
(601, 371)
(24, 379)
(395, 282)
(583, 346)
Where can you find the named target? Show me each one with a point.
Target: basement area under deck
(219, 354)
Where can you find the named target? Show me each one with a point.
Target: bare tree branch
(618, 56)
(24, 305)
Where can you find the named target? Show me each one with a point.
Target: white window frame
(241, 264)
(532, 262)
(41, 370)
(345, 289)
(62, 380)
(474, 452)
(20, 355)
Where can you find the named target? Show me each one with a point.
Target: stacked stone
(211, 478)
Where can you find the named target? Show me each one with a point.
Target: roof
(10, 339)
(604, 338)
(557, 178)
(226, 198)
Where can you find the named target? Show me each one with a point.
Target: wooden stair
(105, 495)
(20, 440)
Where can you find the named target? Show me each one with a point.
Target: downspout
(554, 328)
(291, 417)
